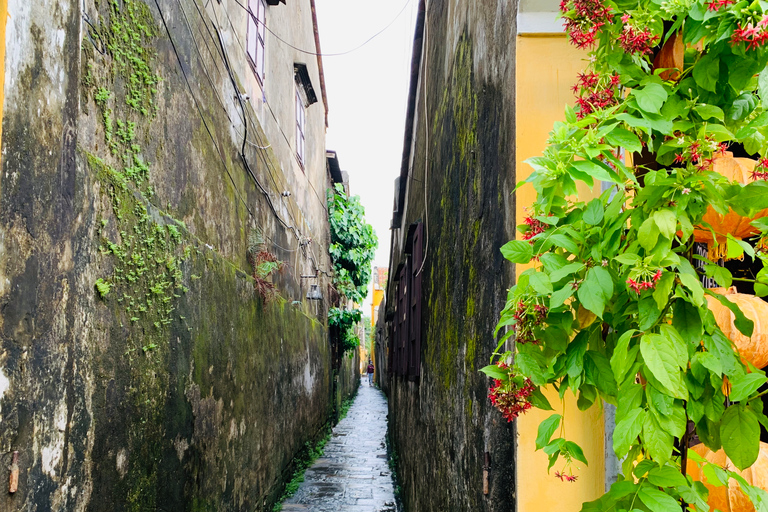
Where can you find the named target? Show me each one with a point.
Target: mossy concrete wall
(463, 153)
(140, 370)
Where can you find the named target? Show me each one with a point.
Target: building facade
(164, 272)
(488, 81)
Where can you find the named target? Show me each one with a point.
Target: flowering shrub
(511, 393)
(614, 310)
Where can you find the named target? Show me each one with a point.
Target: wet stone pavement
(352, 475)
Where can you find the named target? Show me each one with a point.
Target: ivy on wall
(353, 245)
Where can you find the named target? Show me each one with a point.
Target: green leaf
(658, 442)
(628, 258)
(546, 429)
(576, 452)
(540, 401)
(753, 197)
(540, 282)
(721, 275)
(711, 362)
(621, 360)
(643, 467)
(560, 296)
(594, 170)
(651, 97)
(627, 430)
(694, 286)
(762, 84)
(555, 338)
(593, 213)
(741, 71)
(598, 372)
(742, 387)
(707, 72)
(666, 476)
(740, 435)
(663, 289)
(666, 221)
(494, 372)
(742, 323)
(530, 367)
(624, 138)
(648, 234)
(565, 271)
(660, 356)
(658, 501)
(709, 112)
(517, 251)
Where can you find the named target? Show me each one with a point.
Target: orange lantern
(671, 57)
(752, 349)
(734, 169)
(730, 498)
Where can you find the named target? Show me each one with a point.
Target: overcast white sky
(367, 94)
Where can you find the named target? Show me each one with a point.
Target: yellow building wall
(546, 70)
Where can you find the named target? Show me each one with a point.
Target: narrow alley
(352, 475)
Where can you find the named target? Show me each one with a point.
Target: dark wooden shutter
(402, 318)
(414, 313)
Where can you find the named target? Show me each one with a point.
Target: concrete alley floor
(352, 475)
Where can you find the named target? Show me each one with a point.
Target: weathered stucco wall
(139, 368)
(443, 424)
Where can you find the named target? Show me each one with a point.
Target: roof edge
(319, 60)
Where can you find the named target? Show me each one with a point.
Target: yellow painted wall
(546, 70)
(378, 296)
(3, 20)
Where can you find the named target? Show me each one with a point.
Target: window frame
(256, 23)
(301, 128)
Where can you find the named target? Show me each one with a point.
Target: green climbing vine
(353, 245)
(147, 253)
(613, 308)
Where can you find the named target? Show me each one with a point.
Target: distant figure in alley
(370, 373)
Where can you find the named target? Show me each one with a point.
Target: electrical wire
(199, 110)
(244, 118)
(249, 11)
(269, 107)
(265, 161)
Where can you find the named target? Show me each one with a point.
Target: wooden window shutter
(414, 313)
(402, 318)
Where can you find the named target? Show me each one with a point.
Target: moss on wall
(443, 425)
(145, 372)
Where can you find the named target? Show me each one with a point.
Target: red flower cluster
(595, 92)
(511, 400)
(714, 5)
(565, 478)
(584, 19)
(754, 36)
(633, 40)
(641, 284)
(534, 228)
(761, 170)
(695, 152)
(526, 318)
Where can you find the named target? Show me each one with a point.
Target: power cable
(224, 56)
(269, 107)
(242, 153)
(199, 110)
(249, 11)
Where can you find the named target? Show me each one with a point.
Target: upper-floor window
(300, 126)
(255, 36)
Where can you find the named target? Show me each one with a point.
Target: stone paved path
(352, 475)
